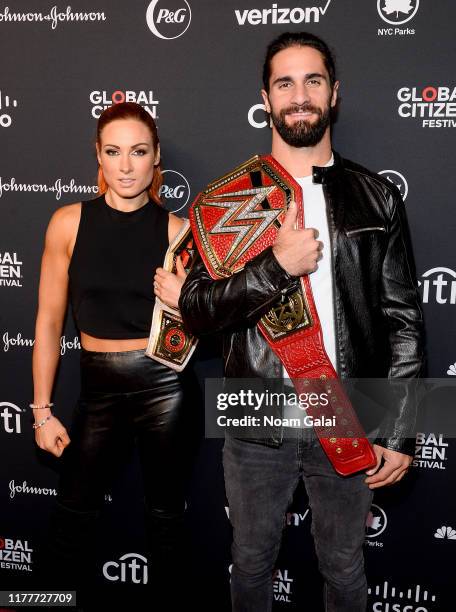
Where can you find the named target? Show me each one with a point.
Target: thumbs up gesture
(297, 251)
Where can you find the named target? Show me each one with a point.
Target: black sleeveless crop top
(111, 272)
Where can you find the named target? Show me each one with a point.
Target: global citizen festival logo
(168, 19)
(438, 285)
(101, 100)
(434, 107)
(53, 17)
(10, 414)
(15, 555)
(131, 567)
(10, 270)
(6, 105)
(175, 191)
(430, 451)
(376, 523)
(282, 586)
(397, 13)
(398, 179)
(393, 599)
(280, 15)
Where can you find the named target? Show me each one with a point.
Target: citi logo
(168, 19)
(131, 567)
(445, 533)
(439, 286)
(281, 16)
(398, 179)
(175, 191)
(102, 100)
(5, 103)
(11, 416)
(414, 595)
(397, 12)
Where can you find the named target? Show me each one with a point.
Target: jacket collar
(325, 174)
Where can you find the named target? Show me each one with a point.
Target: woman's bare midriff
(104, 345)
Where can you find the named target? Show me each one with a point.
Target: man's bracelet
(41, 423)
(41, 406)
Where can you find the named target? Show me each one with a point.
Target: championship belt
(169, 342)
(234, 219)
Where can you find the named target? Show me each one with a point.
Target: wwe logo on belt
(243, 220)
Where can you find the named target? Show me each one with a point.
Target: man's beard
(302, 133)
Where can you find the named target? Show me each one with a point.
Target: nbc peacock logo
(445, 533)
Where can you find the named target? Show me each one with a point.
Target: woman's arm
(52, 304)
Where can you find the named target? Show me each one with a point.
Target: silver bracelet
(41, 406)
(41, 423)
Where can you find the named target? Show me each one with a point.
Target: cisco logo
(410, 599)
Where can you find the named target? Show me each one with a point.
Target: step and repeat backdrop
(195, 65)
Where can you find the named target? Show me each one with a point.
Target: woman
(104, 253)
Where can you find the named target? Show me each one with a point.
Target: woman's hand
(167, 286)
(52, 437)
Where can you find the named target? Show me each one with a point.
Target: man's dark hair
(298, 39)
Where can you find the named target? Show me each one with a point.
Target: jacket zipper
(378, 228)
(329, 218)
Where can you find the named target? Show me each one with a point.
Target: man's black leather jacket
(378, 318)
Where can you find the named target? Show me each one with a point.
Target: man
(355, 249)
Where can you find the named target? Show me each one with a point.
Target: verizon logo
(281, 16)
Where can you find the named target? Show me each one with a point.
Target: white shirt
(321, 280)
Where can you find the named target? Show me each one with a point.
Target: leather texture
(378, 317)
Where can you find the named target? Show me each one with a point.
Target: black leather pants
(126, 397)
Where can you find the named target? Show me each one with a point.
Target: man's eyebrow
(288, 79)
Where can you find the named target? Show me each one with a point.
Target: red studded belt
(234, 219)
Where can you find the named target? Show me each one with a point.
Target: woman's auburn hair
(130, 110)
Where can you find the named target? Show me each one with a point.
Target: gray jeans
(260, 482)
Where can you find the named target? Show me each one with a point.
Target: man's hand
(394, 469)
(297, 251)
